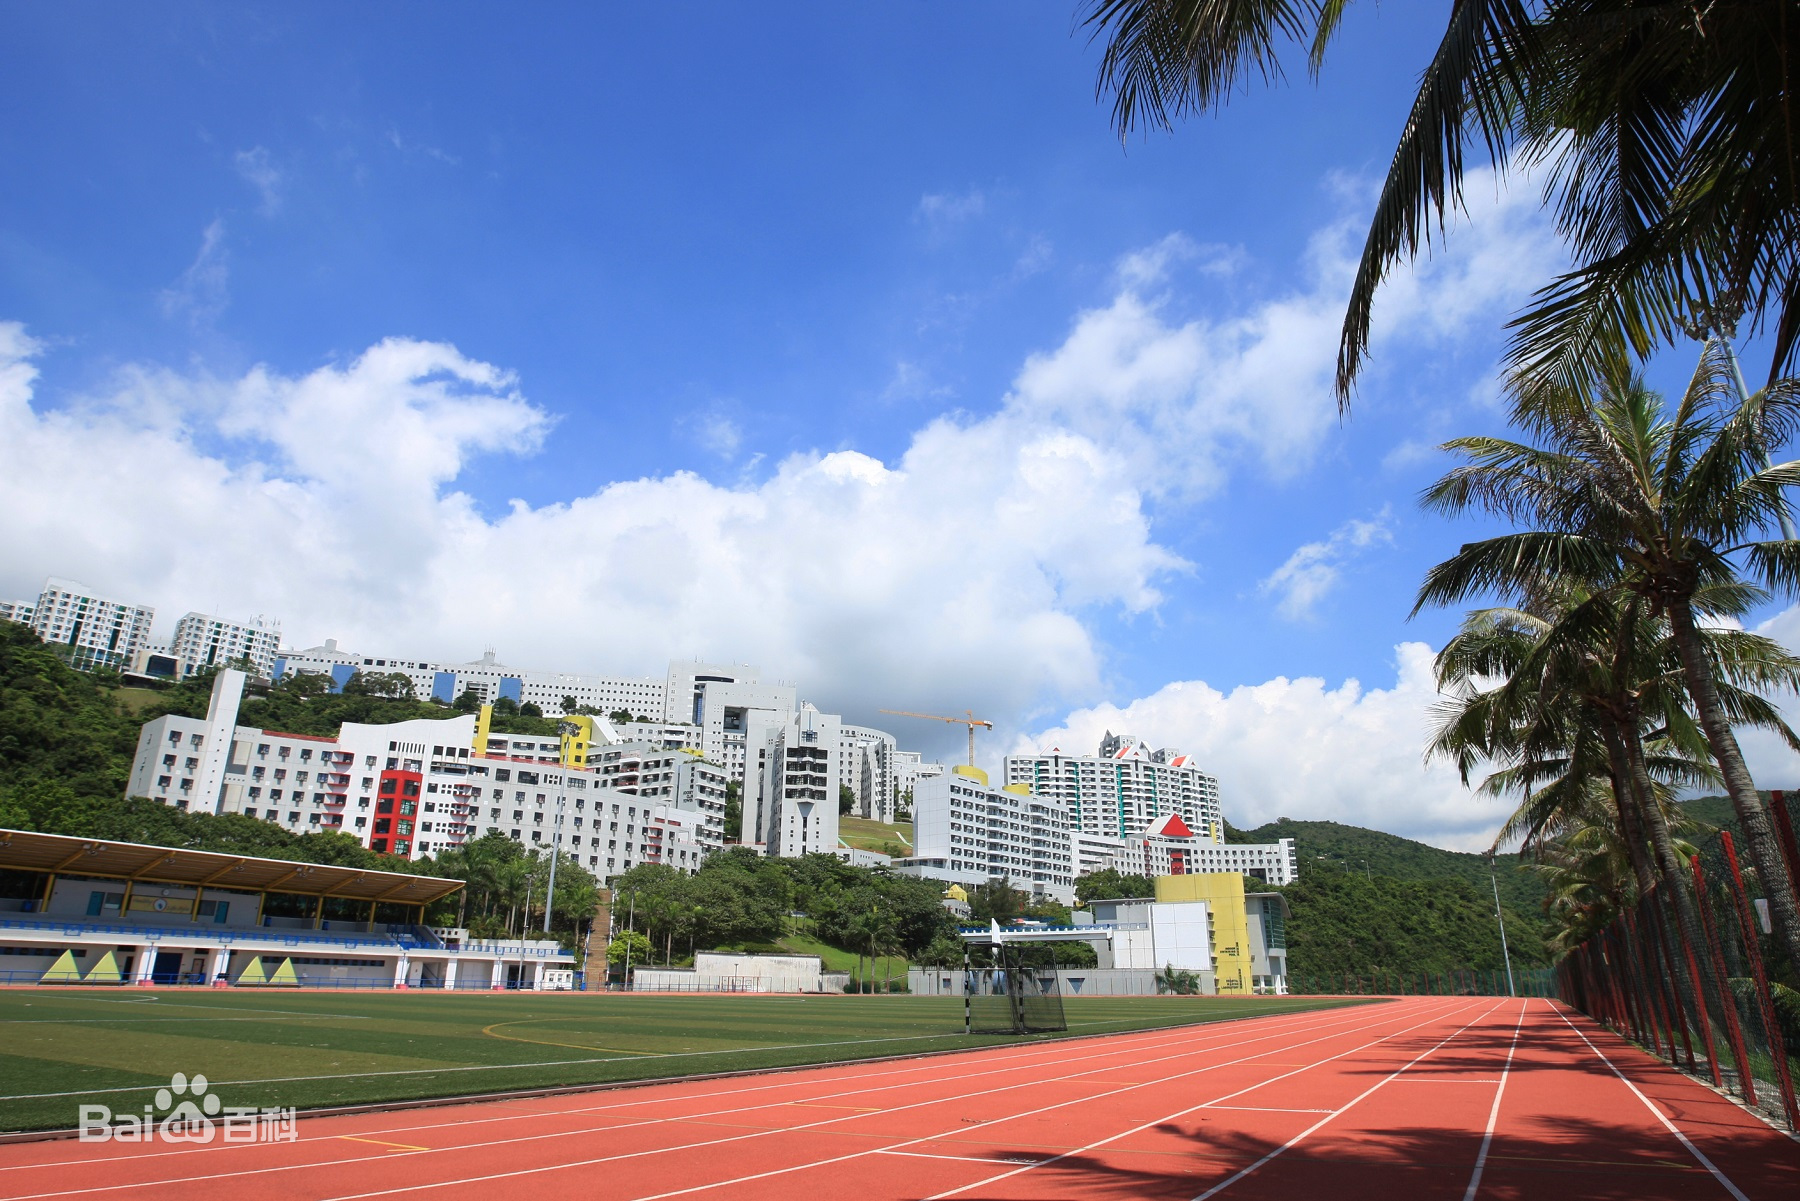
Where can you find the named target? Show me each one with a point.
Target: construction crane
(971, 721)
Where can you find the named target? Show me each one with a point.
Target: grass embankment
(867, 835)
(62, 1048)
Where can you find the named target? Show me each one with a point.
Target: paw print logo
(191, 1108)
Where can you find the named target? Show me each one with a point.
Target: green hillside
(1373, 853)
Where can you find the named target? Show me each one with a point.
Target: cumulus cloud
(1312, 571)
(962, 573)
(1302, 749)
(203, 290)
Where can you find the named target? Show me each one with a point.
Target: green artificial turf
(60, 1049)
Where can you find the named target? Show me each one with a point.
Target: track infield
(1417, 1098)
(308, 1050)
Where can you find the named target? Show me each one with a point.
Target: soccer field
(61, 1049)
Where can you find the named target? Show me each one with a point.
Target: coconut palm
(1625, 494)
(1666, 128)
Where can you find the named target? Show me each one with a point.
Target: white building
(967, 832)
(19, 611)
(909, 769)
(98, 631)
(1124, 788)
(866, 767)
(490, 679)
(790, 805)
(423, 787)
(203, 640)
(1169, 848)
(733, 709)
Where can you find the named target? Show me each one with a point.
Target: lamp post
(555, 844)
(1500, 917)
(1718, 323)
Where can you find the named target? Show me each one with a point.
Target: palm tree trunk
(1757, 823)
(1631, 832)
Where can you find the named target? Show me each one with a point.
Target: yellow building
(1248, 930)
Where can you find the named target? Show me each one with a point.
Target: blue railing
(211, 933)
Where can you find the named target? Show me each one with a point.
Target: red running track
(1422, 1097)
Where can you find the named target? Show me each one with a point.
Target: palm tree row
(1613, 676)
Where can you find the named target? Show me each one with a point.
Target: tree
(1110, 884)
(505, 706)
(628, 946)
(570, 705)
(303, 685)
(734, 811)
(996, 900)
(846, 800)
(1623, 493)
(528, 709)
(467, 701)
(1667, 128)
(395, 685)
(619, 715)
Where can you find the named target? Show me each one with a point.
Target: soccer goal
(1012, 990)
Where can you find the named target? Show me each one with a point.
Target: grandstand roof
(26, 850)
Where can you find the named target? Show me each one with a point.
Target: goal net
(1011, 996)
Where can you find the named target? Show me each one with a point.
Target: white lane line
(1205, 1036)
(1013, 1058)
(1112, 1053)
(1214, 1103)
(1267, 1109)
(1487, 1137)
(1696, 1152)
(1220, 1187)
(958, 1158)
(956, 1131)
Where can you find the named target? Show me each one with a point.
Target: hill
(1373, 853)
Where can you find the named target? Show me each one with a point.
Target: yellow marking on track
(492, 1032)
(379, 1143)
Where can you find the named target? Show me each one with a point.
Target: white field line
(1215, 1103)
(1662, 1117)
(958, 1130)
(1487, 1137)
(1108, 1054)
(1016, 1058)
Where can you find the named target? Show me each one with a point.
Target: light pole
(1717, 323)
(1499, 917)
(555, 843)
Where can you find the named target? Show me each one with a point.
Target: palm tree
(1624, 494)
(1666, 124)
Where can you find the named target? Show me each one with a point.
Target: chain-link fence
(1456, 982)
(1696, 976)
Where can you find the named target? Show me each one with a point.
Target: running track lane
(1420, 1097)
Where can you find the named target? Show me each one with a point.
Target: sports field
(1451, 1098)
(61, 1048)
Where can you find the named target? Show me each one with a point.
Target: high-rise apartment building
(203, 640)
(1121, 790)
(17, 610)
(98, 631)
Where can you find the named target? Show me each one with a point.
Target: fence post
(1733, 1033)
(1765, 1002)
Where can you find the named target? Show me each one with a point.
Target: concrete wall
(1073, 982)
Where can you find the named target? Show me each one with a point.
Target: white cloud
(718, 434)
(939, 210)
(959, 575)
(259, 171)
(1312, 571)
(203, 290)
(1301, 749)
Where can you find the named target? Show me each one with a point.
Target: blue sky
(843, 339)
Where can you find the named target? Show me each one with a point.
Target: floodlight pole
(1709, 324)
(555, 841)
(630, 929)
(1500, 917)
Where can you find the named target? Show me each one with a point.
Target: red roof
(1172, 827)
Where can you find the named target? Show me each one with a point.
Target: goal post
(1011, 994)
